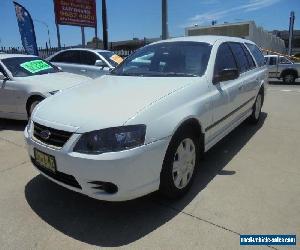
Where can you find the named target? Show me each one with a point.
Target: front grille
(59, 176)
(57, 138)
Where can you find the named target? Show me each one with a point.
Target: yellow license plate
(44, 160)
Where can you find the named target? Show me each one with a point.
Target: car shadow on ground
(14, 125)
(108, 224)
(280, 83)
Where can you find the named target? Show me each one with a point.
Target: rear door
(224, 94)
(248, 78)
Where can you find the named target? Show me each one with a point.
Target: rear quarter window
(240, 56)
(255, 51)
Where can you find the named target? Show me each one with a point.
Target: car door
(69, 61)
(88, 60)
(224, 94)
(249, 79)
(272, 64)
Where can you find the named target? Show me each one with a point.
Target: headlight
(111, 139)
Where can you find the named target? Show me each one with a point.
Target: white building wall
(262, 38)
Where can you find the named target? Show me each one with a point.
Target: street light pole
(291, 31)
(44, 23)
(104, 24)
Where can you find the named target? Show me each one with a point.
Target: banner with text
(76, 12)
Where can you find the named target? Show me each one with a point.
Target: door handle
(83, 70)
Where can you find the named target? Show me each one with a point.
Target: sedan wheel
(184, 163)
(181, 161)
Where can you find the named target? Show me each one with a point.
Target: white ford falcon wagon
(144, 127)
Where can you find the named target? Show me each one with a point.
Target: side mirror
(226, 75)
(100, 63)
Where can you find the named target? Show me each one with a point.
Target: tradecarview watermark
(269, 239)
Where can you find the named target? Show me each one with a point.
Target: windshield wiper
(127, 74)
(179, 74)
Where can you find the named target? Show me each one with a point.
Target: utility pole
(104, 24)
(164, 15)
(82, 37)
(58, 36)
(291, 31)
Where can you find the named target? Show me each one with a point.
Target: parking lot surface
(248, 184)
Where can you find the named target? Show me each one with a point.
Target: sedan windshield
(28, 66)
(111, 57)
(173, 59)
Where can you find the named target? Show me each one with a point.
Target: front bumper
(135, 172)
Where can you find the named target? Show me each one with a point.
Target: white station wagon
(144, 127)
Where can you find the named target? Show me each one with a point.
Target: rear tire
(256, 109)
(181, 161)
(289, 79)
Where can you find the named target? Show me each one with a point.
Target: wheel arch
(192, 123)
(32, 98)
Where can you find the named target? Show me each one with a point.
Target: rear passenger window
(88, 58)
(249, 57)
(71, 56)
(255, 51)
(240, 57)
(224, 59)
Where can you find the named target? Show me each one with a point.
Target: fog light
(108, 187)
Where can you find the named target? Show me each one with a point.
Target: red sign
(76, 12)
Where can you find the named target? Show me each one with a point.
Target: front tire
(180, 163)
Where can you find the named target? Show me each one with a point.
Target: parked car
(281, 67)
(146, 125)
(87, 62)
(27, 80)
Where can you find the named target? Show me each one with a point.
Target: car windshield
(111, 57)
(167, 59)
(28, 66)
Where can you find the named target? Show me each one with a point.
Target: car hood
(53, 81)
(108, 101)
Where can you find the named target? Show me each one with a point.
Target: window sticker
(117, 59)
(35, 66)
